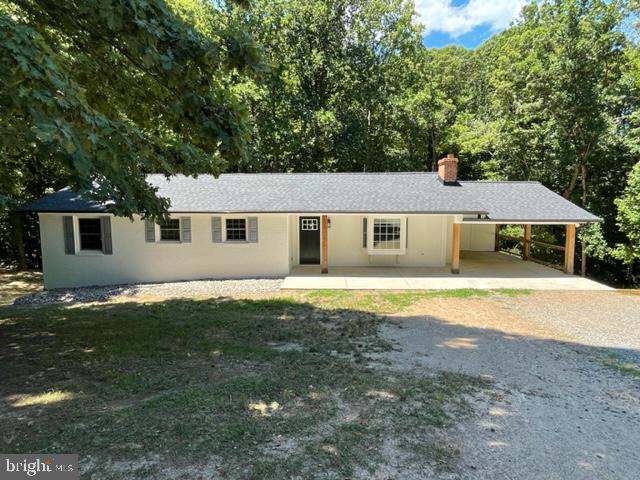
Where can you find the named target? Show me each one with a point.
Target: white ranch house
(266, 225)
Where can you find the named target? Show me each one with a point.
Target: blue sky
(464, 22)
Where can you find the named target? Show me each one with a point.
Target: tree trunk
(434, 152)
(583, 252)
(580, 168)
(573, 182)
(18, 242)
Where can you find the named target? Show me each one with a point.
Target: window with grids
(170, 231)
(90, 233)
(309, 224)
(386, 233)
(236, 229)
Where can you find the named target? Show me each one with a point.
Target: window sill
(170, 242)
(386, 252)
(90, 253)
(236, 242)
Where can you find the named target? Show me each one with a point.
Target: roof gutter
(522, 221)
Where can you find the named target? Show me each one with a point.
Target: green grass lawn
(269, 388)
(393, 301)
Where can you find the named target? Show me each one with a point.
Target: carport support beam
(526, 242)
(324, 258)
(455, 249)
(569, 248)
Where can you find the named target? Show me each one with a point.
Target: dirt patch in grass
(204, 388)
(14, 284)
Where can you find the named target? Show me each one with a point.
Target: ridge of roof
(239, 174)
(414, 172)
(490, 182)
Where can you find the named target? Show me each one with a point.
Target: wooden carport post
(526, 242)
(455, 249)
(569, 248)
(324, 257)
(496, 242)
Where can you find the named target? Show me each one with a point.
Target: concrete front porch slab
(484, 270)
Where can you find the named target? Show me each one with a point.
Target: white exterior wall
(427, 243)
(135, 261)
(477, 237)
(294, 238)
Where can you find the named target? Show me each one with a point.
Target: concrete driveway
(556, 411)
(485, 270)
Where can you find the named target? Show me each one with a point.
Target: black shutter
(364, 232)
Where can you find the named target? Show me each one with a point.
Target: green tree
(629, 219)
(553, 75)
(106, 91)
(337, 70)
(437, 93)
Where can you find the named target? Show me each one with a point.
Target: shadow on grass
(272, 385)
(268, 388)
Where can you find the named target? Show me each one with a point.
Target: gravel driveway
(597, 319)
(556, 412)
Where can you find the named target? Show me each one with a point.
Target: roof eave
(282, 212)
(516, 221)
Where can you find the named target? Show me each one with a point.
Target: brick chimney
(448, 169)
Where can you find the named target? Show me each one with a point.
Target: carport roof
(405, 192)
(516, 202)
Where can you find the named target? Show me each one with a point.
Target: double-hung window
(384, 235)
(90, 234)
(170, 230)
(235, 229)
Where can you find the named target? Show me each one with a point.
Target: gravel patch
(197, 288)
(608, 320)
(553, 411)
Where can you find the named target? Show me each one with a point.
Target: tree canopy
(104, 92)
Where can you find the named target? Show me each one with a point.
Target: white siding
(135, 260)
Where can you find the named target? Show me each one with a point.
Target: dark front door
(309, 240)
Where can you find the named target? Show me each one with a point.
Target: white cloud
(442, 16)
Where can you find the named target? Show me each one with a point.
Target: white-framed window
(386, 235)
(173, 230)
(169, 230)
(86, 234)
(89, 234)
(235, 229)
(310, 224)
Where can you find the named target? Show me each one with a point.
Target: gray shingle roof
(414, 192)
(530, 201)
